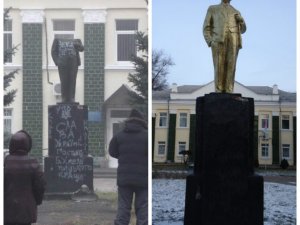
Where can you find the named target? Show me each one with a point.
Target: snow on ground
(168, 198)
(280, 204)
(168, 201)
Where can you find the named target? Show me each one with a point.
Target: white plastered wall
(116, 73)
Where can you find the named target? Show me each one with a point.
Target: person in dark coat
(130, 147)
(24, 183)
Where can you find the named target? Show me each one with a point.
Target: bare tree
(160, 69)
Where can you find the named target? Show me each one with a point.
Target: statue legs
(224, 58)
(67, 75)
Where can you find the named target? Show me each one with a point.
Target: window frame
(61, 32)
(286, 146)
(289, 123)
(7, 118)
(68, 32)
(8, 32)
(180, 144)
(159, 144)
(262, 123)
(165, 119)
(265, 148)
(120, 32)
(180, 119)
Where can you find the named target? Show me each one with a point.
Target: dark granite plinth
(68, 177)
(193, 210)
(68, 165)
(224, 133)
(246, 210)
(218, 192)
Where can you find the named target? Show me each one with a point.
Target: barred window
(7, 38)
(126, 39)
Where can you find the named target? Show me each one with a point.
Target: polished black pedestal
(223, 188)
(68, 165)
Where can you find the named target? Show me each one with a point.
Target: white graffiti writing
(66, 48)
(66, 129)
(72, 168)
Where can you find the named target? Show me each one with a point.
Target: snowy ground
(168, 201)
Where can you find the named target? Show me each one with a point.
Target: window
(119, 113)
(265, 121)
(161, 148)
(181, 146)
(265, 150)
(285, 122)
(162, 119)
(7, 36)
(126, 40)
(64, 29)
(285, 151)
(7, 121)
(183, 120)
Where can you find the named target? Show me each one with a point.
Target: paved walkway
(69, 212)
(288, 180)
(105, 184)
(103, 211)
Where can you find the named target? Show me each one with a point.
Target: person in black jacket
(24, 183)
(130, 147)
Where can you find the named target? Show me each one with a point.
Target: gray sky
(268, 55)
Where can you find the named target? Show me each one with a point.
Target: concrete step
(105, 172)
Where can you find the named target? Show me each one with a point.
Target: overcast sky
(268, 55)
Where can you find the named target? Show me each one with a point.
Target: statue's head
(226, 1)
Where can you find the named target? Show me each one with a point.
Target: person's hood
(135, 122)
(133, 125)
(20, 143)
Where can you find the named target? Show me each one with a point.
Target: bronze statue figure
(65, 54)
(222, 31)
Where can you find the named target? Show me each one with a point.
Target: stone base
(223, 189)
(69, 177)
(224, 134)
(68, 165)
(246, 209)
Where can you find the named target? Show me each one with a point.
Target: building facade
(107, 29)
(173, 122)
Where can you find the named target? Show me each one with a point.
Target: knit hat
(136, 114)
